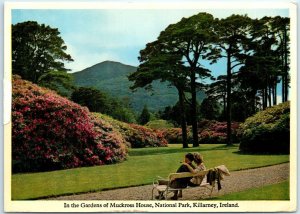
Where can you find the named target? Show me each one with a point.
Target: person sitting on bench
(198, 159)
(180, 182)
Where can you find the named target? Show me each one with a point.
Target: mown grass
(141, 167)
(278, 191)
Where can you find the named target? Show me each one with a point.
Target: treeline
(257, 60)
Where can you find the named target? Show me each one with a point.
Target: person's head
(198, 159)
(189, 157)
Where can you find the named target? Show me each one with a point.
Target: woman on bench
(198, 159)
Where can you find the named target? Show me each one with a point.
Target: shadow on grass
(170, 150)
(258, 153)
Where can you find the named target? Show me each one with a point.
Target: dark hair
(190, 156)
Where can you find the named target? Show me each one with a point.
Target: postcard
(150, 107)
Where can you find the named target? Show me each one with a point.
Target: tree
(61, 82)
(158, 64)
(37, 49)
(192, 38)
(95, 100)
(209, 109)
(232, 33)
(145, 116)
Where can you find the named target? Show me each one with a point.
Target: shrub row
(136, 136)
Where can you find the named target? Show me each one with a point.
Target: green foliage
(145, 116)
(37, 49)
(95, 100)
(61, 82)
(267, 131)
(159, 124)
(209, 109)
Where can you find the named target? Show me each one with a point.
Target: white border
(58, 206)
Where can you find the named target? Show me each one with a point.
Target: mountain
(111, 78)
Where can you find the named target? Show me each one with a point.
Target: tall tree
(37, 49)
(157, 64)
(232, 33)
(281, 28)
(192, 38)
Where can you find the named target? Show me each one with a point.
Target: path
(238, 181)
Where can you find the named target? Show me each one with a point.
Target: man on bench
(187, 166)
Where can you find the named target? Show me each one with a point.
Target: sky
(93, 36)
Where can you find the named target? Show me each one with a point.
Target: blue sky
(93, 36)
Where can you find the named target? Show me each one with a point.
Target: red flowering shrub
(174, 135)
(137, 136)
(50, 132)
(210, 131)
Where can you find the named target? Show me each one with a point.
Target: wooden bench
(166, 189)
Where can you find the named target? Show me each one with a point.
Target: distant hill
(111, 78)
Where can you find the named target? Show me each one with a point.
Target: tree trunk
(228, 111)
(282, 78)
(183, 119)
(194, 109)
(275, 93)
(286, 84)
(269, 96)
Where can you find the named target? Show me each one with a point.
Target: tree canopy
(37, 49)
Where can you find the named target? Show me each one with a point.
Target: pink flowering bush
(50, 132)
(174, 135)
(136, 136)
(210, 131)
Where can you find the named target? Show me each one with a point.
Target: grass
(141, 167)
(278, 191)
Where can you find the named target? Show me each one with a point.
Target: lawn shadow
(170, 150)
(257, 153)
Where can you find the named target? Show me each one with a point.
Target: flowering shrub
(137, 136)
(50, 132)
(210, 131)
(267, 131)
(174, 135)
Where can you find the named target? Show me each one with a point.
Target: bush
(214, 132)
(50, 132)
(174, 135)
(159, 124)
(267, 131)
(137, 136)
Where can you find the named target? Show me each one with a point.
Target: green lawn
(278, 191)
(142, 166)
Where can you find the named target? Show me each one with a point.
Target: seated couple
(186, 166)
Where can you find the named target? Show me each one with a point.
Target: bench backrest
(172, 176)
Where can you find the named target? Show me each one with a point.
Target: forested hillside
(111, 77)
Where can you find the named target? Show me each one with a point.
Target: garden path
(238, 181)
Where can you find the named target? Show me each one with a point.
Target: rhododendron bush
(267, 131)
(211, 131)
(136, 136)
(50, 132)
(174, 135)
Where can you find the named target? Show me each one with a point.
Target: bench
(166, 189)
